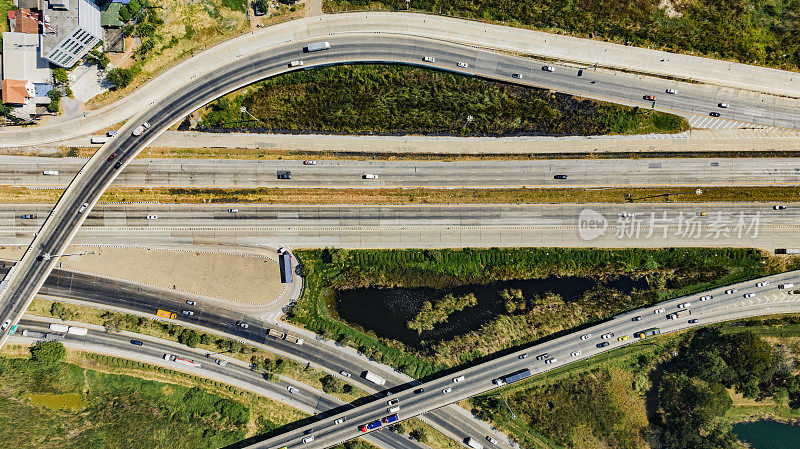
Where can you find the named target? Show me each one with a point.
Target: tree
(189, 337)
(48, 353)
(60, 75)
(420, 435)
(120, 78)
(331, 384)
(65, 313)
(55, 100)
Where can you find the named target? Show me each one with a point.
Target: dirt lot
(248, 279)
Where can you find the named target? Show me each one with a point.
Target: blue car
(136, 342)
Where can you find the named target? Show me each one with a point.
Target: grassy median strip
(412, 196)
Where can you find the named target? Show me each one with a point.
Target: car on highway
(684, 305)
(339, 420)
(637, 318)
(394, 409)
(309, 162)
(491, 440)
(781, 207)
(542, 356)
(623, 338)
(458, 379)
(152, 217)
(714, 114)
(282, 174)
(296, 63)
(657, 311)
(419, 390)
(523, 356)
(516, 76)
(308, 439)
(602, 344)
(141, 129)
(136, 343)
(748, 295)
(560, 177)
(190, 302)
(693, 321)
(430, 59)
(650, 97)
(112, 133)
(221, 362)
(5, 325)
(392, 401)
(369, 176)
(672, 91)
(242, 324)
(548, 68)
(731, 291)
(293, 390)
(113, 155)
(463, 65)
(762, 283)
(233, 211)
(550, 361)
(627, 215)
(28, 216)
(586, 336)
(607, 335)
(575, 353)
(187, 312)
(722, 105)
(705, 297)
(345, 374)
(117, 165)
(447, 390)
(83, 208)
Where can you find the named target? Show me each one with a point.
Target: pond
(386, 311)
(766, 434)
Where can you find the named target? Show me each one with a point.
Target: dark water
(386, 311)
(768, 434)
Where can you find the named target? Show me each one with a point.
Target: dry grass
(436, 439)
(23, 195)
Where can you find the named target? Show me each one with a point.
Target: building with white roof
(72, 29)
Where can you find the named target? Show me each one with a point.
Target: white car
(730, 291)
(296, 63)
(345, 374)
(394, 409)
(463, 65)
(233, 211)
(722, 105)
(657, 311)
(309, 162)
(586, 336)
(607, 336)
(749, 295)
(575, 353)
(550, 361)
(684, 305)
(672, 91)
(447, 390)
(761, 284)
(190, 302)
(340, 420)
(83, 208)
(430, 59)
(626, 215)
(705, 298)
(308, 439)
(491, 440)
(293, 390)
(152, 217)
(141, 129)
(221, 362)
(458, 379)
(5, 325)
(548, 68)
(369, 176)
(187, 312)
(779, 207)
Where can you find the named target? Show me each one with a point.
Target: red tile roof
(14, 91)
(25, 21)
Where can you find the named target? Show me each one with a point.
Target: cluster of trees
(99, 58)
(272, 367)
(129, 11)
(61, 311)
(693, 392)
(48, 354)
(430, 315)
(331, 384)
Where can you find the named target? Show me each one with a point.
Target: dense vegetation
(43, 399)
(400, 100)
(431, 314)
(763, 32)
(672, 272)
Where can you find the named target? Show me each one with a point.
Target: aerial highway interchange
(76, 206)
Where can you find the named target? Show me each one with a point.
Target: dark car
(118, 164)
(602, 345)
(113, 155)
(284, 175)
(419, 390)
(560, 177)
(136, 342)
(714, 114)
(692, 321)
(29, 216)
(637, 318)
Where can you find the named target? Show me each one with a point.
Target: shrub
(48, 353)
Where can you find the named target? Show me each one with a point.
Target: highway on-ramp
(232, 173)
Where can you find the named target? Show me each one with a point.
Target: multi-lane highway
(700, 172)
(234, 372)
(415, 226)
(125, 296)
(741, 300)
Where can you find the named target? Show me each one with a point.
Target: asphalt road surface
(19, 287)
(702, 172)
(480, 225)
(745, 299)
(234, 373)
